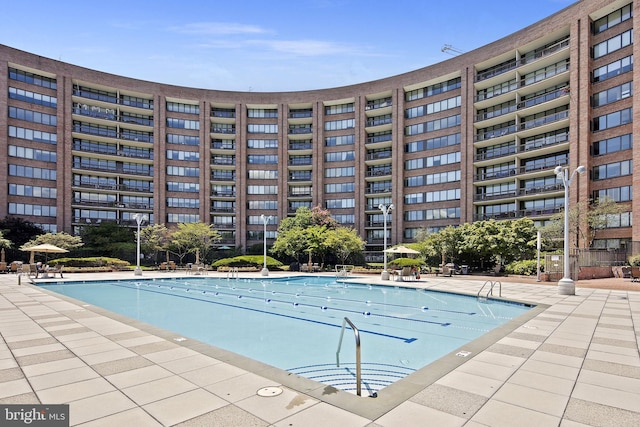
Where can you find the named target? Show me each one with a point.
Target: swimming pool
(295, 323)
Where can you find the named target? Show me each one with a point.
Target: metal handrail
(358, 367)
(490, 291)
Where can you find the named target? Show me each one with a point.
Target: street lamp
(265, 220)
(385, 211)
(566, 286)
(139, 218)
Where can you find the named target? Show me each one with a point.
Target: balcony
(300, 161)
(299, 130)
(379, 103)
(223, 176)
(304, 176)
(223, 161)
(512, 65)
(300, 145)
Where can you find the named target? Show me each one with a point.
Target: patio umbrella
(401, 250)
(44, 248)
(2, 255)
(197, 256)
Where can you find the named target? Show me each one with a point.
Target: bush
(407, 262)
(527, 267)
(113, 263)
(256, 261)
(634, 260)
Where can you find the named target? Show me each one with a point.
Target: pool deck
(575, 361)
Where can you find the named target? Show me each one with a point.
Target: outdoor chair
(52, 271)
(406, 272)
(3, 267)
(16, 267)
(33, 271)
(635, 274)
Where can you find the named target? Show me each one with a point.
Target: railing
(490, 291)
(356, 333)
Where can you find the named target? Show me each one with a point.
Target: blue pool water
(294, 323)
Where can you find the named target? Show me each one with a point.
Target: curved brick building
(475, 137)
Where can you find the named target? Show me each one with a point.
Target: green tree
(154, 239)
(19, 231)
(192, 237)
(343, 242)
(308, 233)
(61, 240)
(445, 244)
(585, 221)
(109, 239)
(4, 243)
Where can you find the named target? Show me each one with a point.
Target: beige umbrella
(2, 255)
(45, 248)
(401, 250)
(197, 256)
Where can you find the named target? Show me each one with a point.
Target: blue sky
(261, 46)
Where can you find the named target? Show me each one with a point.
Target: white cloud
(205, 28)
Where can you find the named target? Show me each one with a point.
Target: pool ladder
(232, 273)
(490, 291)
(356, 333)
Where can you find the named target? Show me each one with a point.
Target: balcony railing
(492, 72)
(379, 103)
(300, 145)
(541, 121)
(379, 155)
(300, 130)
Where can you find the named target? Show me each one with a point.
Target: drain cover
(269, 391)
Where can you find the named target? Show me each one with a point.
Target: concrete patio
(574, 361)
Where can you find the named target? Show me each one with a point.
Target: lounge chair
(33, 271)
(406, 272)
(635, 274)
(15, 267)
(3, 267)
(52, 271)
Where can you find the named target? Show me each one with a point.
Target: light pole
(566, 286)
(265, 220)
(139, 218)
(385, 212)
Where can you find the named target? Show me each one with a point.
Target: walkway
(574, 362)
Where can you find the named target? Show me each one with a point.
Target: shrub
(527, 267)
(407, 262)
(634, 260)
(113, 263)
(248, 261)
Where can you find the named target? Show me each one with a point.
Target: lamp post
(139, 218)
(265, 220)
(566, 286)
(385, 212)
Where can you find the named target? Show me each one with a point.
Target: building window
(613, 44)
(183, 124)
(334, 141)
(613, 19)
(34, 79)
(262, 113)
(613, 170)
(176, 107)
(617, 118)
(340, 124)
(262, 143)
(32, 116)
(33, 98)
(617, 194)
(613, 94)
(612, 145)
(613, 69)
